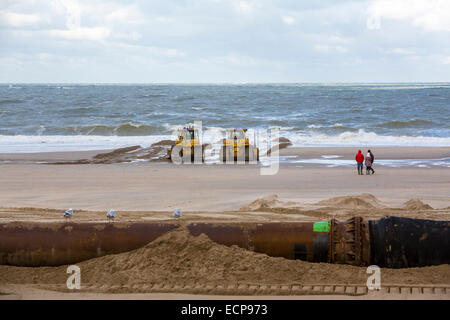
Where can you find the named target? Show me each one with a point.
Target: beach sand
(164, 186)
(145, 191)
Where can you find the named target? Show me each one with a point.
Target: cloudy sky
(224, 41)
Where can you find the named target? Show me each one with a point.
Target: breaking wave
(42, 143)
(126, 129)
(361, 137)
(413, 123)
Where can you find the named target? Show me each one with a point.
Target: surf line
(198, 310)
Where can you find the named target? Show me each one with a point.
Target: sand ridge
(270, 201)
(264, 209)
(343, 207)
(158, 151)
(362, 201)
(416, 204)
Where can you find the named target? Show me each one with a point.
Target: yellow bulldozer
(188, 146)
(236, 147)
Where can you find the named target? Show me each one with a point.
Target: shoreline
(328, 153)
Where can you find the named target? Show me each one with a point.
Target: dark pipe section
(404, 243)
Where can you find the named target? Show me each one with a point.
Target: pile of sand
(344, 207)
(158, 151)
(178, 258)
(416, 205)
(362, 201)
(270, 201)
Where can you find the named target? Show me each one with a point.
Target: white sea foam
(25, 144)
(331, 156)
(363, 138)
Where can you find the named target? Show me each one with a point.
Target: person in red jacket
(359, 162)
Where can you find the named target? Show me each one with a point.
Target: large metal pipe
(404, 243)
(355, 241)
(52, 244)
(291, 240)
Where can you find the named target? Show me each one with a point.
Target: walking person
(368, 163)
(359, 162)
(372, 158)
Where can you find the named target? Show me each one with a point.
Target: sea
(69, 117)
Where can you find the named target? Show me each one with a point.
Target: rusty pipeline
(388, 242)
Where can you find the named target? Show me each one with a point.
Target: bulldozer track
(261, 289)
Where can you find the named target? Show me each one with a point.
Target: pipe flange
(349, 242)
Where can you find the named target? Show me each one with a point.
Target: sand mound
(174, 258)
(415, 205)
(265, 202)
(177, 257)
(158, 151)
(362, 201)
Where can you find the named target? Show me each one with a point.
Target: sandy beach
(162, 186)
(149, 191)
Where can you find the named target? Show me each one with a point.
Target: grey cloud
(214, 41)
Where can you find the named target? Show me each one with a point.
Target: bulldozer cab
(236, 134)
(188, 136)
(188, 146)
(236, 137)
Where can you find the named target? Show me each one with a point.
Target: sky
(231, 41)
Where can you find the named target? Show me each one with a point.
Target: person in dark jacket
(368, 163)
(359, 162)
(372, 158)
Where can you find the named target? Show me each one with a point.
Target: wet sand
(381, 153)
(304, 152)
